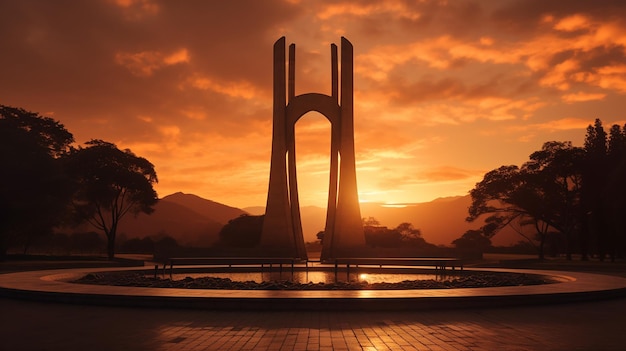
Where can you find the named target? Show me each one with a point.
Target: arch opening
(313, 148)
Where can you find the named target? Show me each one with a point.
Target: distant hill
(188, 227)
(196, 221)
(188, 218)
(441, 220)
(255, 210)
(215, 211)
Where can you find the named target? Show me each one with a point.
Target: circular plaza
(57, 286)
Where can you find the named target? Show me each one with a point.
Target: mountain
(255, 210)
(196, 221)
(215, 211)
(185, 225)
(188, 218)
(441, 221)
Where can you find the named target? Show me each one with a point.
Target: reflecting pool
(327, 277)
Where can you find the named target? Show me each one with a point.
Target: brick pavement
(575, 326)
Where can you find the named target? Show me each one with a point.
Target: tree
(243, 231)
(473, 239)
(615, 191)
(370, 222)
(382, 237)
(320, 236)
(594, 173)
(111, 183)
(543, 193)
(604, 191)
(401, 236)
(556, 169)
(498, 195)
(34, 192)
(578, 194)
(410, 236)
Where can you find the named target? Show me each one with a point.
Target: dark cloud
(599, 57)
(524, 16)
(68, 56)
(446, 87)
(465, 20)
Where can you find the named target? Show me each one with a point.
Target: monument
(282, 227)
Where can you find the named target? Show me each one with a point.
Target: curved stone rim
(52, 285)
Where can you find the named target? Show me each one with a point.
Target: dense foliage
(572, 196)
(473, 240)
(46, 182)
(243, 231)
(34, 191)
(404, 235)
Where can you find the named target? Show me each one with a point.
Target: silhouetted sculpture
(282, 227)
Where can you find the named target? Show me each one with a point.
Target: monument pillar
(282, 227)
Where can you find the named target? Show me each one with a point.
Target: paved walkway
(33, 325)
(48, 326)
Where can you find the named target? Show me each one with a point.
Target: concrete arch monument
(282, 227)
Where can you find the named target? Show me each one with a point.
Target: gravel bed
(471, 280)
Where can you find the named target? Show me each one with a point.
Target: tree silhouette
(543, 193)
(243, 231)
(404, 235)
(578, 193)
(111, 183)
(593, 176)
(615, 191)
(410, 235)
(556, 172)
(34, 192)
(604, 190)
(472, 239)
(382, 237)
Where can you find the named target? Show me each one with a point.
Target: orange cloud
(396, 8)
(555, 125)
(208, 164)
(582, 96)
(145, 63)
(180, 56)
(573, 23)
(427, 106)
(558, 77)
(195, 113)
(137, 9)
(236, 89)
(449, 173)
(487, 41)
(611, 77)
(146, 119)
(543, 54)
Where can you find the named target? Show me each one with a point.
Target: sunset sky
(444, 90)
